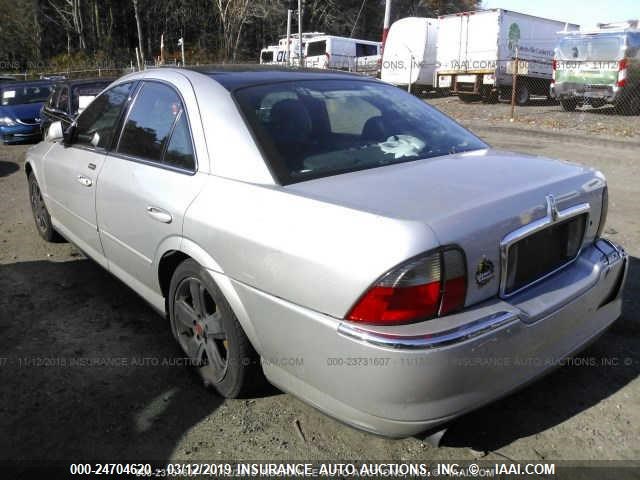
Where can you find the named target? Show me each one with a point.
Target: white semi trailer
(476, 50)
(409, 57)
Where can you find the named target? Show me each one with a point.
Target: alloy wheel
(38, 207)
(199, 329)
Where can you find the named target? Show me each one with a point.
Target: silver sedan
(335, 234)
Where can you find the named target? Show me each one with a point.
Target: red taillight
(427, 286)
(622, 72)
(554, 64)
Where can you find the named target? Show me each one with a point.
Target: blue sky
(583, 12)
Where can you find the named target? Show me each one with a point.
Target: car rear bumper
(399, 381)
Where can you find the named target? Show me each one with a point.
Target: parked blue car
(20, 104)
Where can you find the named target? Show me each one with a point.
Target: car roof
(24, 83)
(233, 77)
(85, 81)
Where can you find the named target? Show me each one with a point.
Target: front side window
(150, 122)
(96, 126)
(318, 128)
(53, 97)
(63, 100)
(83, 95)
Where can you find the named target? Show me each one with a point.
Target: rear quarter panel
(316, 254)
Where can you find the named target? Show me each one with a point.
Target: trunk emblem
(485, 271)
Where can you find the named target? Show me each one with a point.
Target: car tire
(40, 213)
(568, 105)
(208, 332)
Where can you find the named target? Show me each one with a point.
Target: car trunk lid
(473, 200)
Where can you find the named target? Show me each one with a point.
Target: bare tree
(70, 15)
(233, 15)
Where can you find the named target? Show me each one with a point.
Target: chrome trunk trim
(553, 216)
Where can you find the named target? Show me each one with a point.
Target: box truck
(409, 56)
(599, 67)
(476, 52)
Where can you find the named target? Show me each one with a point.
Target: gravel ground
(544, 115)
(101, 394)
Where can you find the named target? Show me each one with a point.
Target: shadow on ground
(7, 168)
(564, 393)
(88, 371)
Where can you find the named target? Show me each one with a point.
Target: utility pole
(514, 85)
(300, 32)
(288, 53)
(387, 21)
(162, 49)
(181, 44)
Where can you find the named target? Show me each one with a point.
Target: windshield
(593, 48)
(311, 129)
(19, 95)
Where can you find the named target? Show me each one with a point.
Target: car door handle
(159, 214)
(86, 181)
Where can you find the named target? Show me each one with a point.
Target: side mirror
(54, 133)
(95, 139)
(69, 134)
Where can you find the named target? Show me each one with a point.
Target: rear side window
(156, 115)
(96, 125)
(180, 149)
(316, 48)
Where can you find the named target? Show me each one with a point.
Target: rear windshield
(266, 56)
(19, 95)
(318, 128)
(592, 48)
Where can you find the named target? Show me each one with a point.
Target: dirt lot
(79, 354)
(543, 115)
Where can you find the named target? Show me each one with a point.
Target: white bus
(342, 53)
